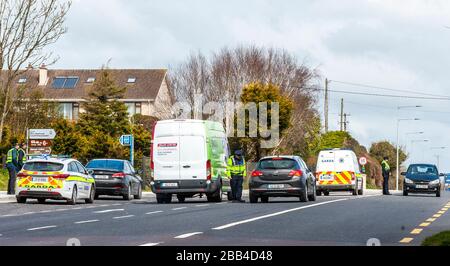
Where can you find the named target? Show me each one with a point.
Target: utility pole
(342, 114)
(326, 106)
(346, 122)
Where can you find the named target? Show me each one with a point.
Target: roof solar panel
(70, 83)
(58, 82)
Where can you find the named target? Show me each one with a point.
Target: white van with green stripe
(189, 158)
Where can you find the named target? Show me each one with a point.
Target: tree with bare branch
(27, 28)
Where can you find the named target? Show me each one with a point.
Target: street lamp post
(410, 134)
(398, 140)
(437, 155)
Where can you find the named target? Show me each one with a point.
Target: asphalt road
(339, 219)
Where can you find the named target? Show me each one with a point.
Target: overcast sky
(402, 45)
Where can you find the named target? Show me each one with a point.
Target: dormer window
(22, 81)
(131, 80)
(90, 80)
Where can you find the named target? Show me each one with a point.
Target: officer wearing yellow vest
(12, 164)
(386, 169)
(22, 156)
(237, 171)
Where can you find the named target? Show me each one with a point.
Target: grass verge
(439, 240)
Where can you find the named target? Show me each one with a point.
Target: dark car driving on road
(282, 176)
(422, 178)
(116, 178)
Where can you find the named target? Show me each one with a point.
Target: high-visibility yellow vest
(24, 158)
(233, 169)
(9, 156)
(385, 166)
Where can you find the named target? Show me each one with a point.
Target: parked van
(338, 170)
(188, 158)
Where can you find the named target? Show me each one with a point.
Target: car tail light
(208, 170)
(296, 173)
(277, 159)
(61, 176)
(257, 173)
(22, 175)
(119, 175)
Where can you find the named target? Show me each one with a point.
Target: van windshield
(277, 164)
(43, 167)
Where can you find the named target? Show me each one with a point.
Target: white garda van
(338, 170)
(188, 158)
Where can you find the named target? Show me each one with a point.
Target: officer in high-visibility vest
(237, 171)
(386, 169)
(22, 155)
(13, 167)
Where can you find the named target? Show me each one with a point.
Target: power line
(388, 89)
(384, 95)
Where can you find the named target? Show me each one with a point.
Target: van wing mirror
(441, 174)
(90, 172)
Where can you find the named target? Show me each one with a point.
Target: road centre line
(87, 222)
(437, 215)
(42, 228)
(406, 240)
(431, 220)
(277, 214)
(202, 205)
(425, 224)
(123, 217)
(108, 211)
(416, 231)
(188, 235)
(151, 244)
(155, 212)
(178, 209)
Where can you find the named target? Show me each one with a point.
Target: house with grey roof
(147, 89)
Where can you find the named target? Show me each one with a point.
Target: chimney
(43, 75)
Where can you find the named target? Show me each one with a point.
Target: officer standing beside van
(13, 167)
(237, 171)
(386, 169)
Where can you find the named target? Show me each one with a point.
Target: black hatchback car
(422, 178)
(282, 176)
(116, 178)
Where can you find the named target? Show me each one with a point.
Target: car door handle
(186, 166)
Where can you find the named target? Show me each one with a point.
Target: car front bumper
(412, 188)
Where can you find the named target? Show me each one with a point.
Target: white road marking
(188, 235)
(151, 244)
(202, 205)
(117, 204)
(61, 210)
(77, 208)
(155, 212)
(87, 222)
(91, 207)
(28, 213)
(221, 203)
(45, 211)
(42, 228)
(276, 214)
(123, 217)
(108, 211)
(178, 209)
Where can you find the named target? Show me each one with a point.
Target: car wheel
(361, 192)
(253, 198)
(405, 193)
(304, 195)
(41, 201)
(313, 196)
(91, 198)
(181, 199)
(216, 196)
(138, 196)
(438, 193)
(326, 193)
(73, 199)
(265, 199)
(318, 193)
(168, 198)
(160, 198)
(21, 200)
(128, 195)
(355, 191)
(96, 197)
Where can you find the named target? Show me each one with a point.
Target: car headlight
(408, 181)
(435, 182)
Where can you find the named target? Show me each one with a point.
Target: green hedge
(4, 179)
(439, 240)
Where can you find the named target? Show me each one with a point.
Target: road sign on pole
(42, 134)
(128, 141)
(363, 161)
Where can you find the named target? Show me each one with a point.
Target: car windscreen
(277, 164)
(43, 166)
(422, 170)
(106, 164)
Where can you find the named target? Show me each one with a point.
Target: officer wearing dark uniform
(237, 171)
(386, 173)
(12, 164)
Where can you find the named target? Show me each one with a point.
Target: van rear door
(166, 154)
(193, 152)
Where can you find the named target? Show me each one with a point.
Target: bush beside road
(4, 179)
(439, 240)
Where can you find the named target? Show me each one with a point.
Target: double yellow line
(422, 226)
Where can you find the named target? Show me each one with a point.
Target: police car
(56, 179)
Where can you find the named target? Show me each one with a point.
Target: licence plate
(422, 186)
(101, 177)
(169, 185)
(40, 179)
(275, 186)
(326, 177)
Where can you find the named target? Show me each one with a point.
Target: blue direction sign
(126, 140)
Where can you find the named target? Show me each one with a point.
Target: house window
(134, 108)
(75, 111)
(66, 110)
(22, 81)
(131, 80)
(90, 80)
(65, 82)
